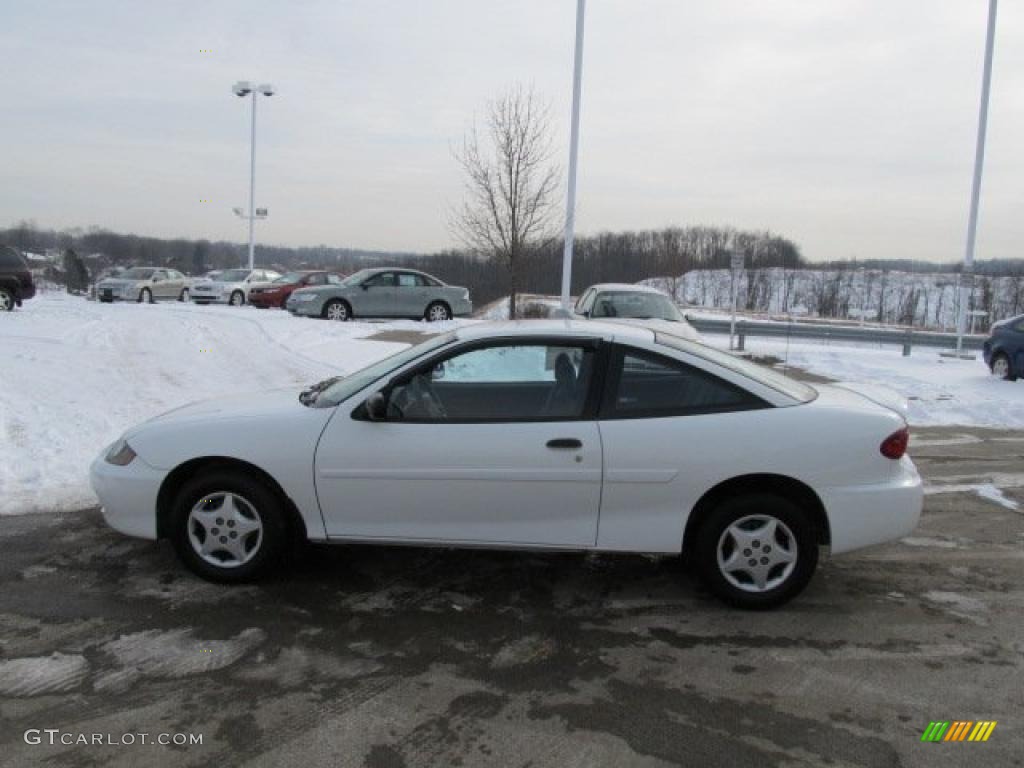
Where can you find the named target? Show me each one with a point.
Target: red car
(275, 294)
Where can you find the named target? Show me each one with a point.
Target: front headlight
(120, 453)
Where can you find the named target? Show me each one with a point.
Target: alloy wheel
(6, 301)
(437, 313)
(757, 553)
(337, 311)
(225, 529)
(1001, 367)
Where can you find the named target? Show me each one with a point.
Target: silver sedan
(385, 292)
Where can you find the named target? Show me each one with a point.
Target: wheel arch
(189, 469)
(790, 488)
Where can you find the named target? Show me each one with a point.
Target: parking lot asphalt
(430, 657)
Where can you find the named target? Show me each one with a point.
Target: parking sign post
(736, 266)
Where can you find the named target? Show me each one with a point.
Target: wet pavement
(429, 657)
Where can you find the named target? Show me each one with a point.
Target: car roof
(556, 327)
(632, 287)
(376, 270)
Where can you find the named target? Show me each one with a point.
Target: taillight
(895, 445)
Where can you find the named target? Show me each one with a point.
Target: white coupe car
(547, 434)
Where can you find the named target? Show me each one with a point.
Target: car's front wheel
(336, 309)
(757, 550)
(228, 527)
(237, 299)
(1001, 368)
(145, 296)
(6, 300)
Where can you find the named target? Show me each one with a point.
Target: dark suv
(1004, 349)
(15, 280)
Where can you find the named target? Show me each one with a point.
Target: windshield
(233, 275)
(344, 388)
(290, 277)
(357, 277)
(137, 273)
(759, 373)
(636, 304)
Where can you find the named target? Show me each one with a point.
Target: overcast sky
(846, 125)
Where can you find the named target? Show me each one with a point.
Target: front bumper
(127, 495)
(312, 308)
(864, 515)
(208, 298)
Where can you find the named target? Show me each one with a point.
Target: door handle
(565, 442)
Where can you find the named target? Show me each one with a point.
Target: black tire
(337, 309)
(1001, 357)
(146, 295)
(185, 295)
(7, 300)
(437, 312)
(237, 299)
(757, 507)
(267, 505)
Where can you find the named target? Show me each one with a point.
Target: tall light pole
(966, 283)
(242, 89)
(574, 142)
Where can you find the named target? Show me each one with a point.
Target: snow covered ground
(941, 391)
(75, 374)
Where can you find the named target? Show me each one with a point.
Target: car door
(410, 295)
(159, 284)
(496, 443)
(175, 283)
(376, 295)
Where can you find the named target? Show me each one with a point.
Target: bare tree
(511, 183)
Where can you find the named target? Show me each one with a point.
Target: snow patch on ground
(38, 675)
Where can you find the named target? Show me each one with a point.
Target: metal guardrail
(800, 330)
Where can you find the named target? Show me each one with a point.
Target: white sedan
(548, 434)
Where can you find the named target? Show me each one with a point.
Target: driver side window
(507, 382)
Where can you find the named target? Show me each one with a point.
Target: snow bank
(75, 374)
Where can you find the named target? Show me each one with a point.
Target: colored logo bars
(958, 730)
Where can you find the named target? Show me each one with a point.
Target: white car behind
(533, 435)
(232, 286)
(636, 304)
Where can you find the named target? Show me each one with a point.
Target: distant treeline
(605, 257)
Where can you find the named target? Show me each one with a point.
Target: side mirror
(376, 406)
(365, 286)
(585, 313)
(157, 278)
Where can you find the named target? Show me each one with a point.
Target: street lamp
(242, 89)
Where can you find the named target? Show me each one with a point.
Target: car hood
(247, 406)
(683, 330)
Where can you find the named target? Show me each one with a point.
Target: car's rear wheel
(228, 527)
(437, 312)
(145, 296)
(185, 295)
(6, 300)
(757, 550)
(336, 309)
(1001, 368)
(237, 299)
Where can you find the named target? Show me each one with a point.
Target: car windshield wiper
(309, 395)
